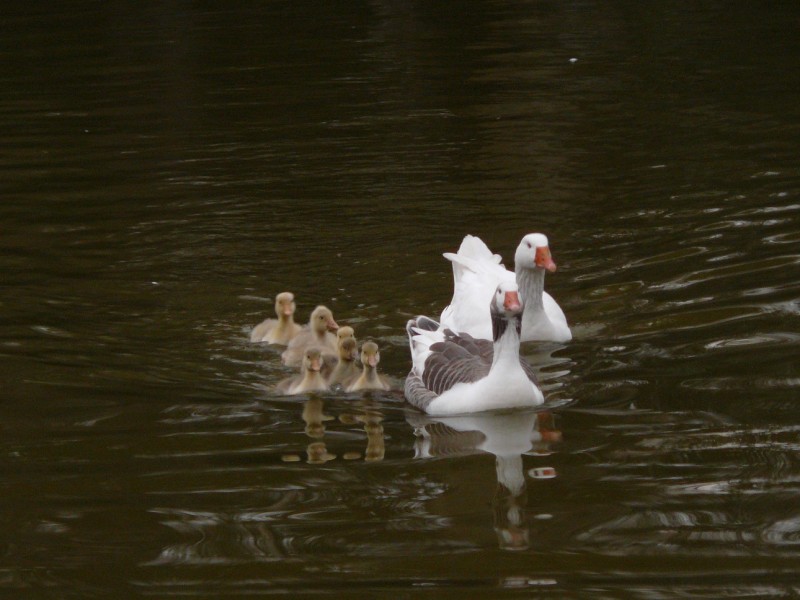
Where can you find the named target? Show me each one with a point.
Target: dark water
(168, 168)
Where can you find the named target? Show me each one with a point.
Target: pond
(169, 169)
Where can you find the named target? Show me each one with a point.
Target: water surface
(166, 171)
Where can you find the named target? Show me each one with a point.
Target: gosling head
(370, 356)
(312, 360)
(345, 332)
(322, 320)
(348, 349)
(284, 305)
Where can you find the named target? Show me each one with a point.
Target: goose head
(284, 305)
(533, 252)
(370, 356)
(505, 308)
(506, 301)
(312, 360)
(322, 321)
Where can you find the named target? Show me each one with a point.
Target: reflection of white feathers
(506, 435)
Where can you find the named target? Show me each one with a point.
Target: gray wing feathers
(416, 392)
(476, 347)
(450, 364)
(485, 350)
(446, 441)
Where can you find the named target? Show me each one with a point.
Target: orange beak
(511, 301)
(543, 259)
(332, 325)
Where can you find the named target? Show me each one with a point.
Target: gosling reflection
(317, 421)
(315, 418)
(318, 454)
(372, 421)
(507, 436)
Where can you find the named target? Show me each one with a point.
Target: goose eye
(529, 244)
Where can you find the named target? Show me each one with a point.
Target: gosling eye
(529, 244)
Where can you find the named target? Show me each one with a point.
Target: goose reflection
(506, 435)
(317, 422)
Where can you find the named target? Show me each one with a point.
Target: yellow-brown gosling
(310, 378)
(281, 330)
(369, 379)
(346, 367)
(318, 332)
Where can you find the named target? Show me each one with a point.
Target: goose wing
(450, 363)
(485, 350)
(476, 273)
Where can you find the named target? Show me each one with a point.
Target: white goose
(456, 373)
(476, 273)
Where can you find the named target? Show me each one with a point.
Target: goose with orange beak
(455, 373)
(476, 273)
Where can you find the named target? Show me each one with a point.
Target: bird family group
(466, 361)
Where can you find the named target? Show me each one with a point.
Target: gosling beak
(372, 360)
(543, 259)
(315, 365)
(332, 326)
(288, 311)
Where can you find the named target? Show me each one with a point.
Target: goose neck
(531, 287)
(506, 339)
(510, 473)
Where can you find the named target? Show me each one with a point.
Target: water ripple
(737, 270)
